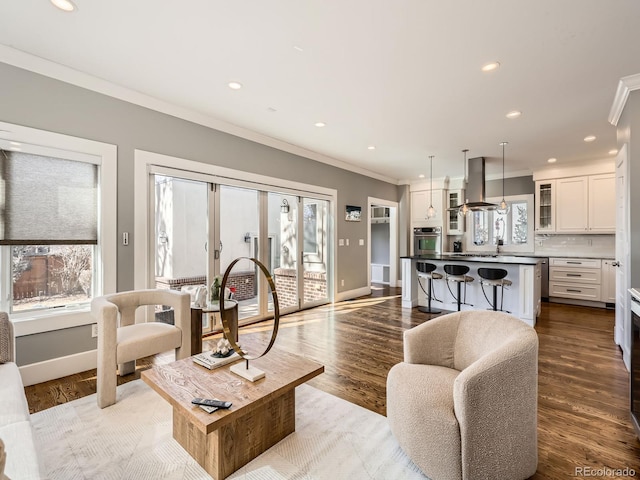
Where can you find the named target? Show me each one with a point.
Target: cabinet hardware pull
(574, 274)
(574, 291)
(575, 263)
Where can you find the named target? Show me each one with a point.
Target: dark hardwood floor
(583, 405)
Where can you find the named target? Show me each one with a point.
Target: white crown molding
(39, 65)
(626, 85)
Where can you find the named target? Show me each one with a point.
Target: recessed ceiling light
(65, 5)
(320, 124)
(371, 147)
(590, 138)
(235, 85)
(552, 160)
(490, 66)
(514, 114)
(613, 152)
(17, 144)
(421, 175)
(296, 47)
(16, 149)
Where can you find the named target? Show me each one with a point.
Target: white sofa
(15, 426)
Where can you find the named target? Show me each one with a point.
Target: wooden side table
(230, 307)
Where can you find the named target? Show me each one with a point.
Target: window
(57, 226)
(513, 230)
(49, 221)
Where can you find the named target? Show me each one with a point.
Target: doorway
(383, 242)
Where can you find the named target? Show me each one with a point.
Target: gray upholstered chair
(463, 404)
(121, 341)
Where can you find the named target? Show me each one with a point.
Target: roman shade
(47, 201)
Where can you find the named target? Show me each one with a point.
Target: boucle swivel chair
(121, 341)
(463, 404)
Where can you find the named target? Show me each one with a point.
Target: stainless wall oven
(427, 241)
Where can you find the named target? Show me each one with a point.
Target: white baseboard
(58, 367)
(349, 294)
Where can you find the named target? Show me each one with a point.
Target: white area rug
(334, 440)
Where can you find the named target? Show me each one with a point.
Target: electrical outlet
(346, 240)
(342, 282)
(94, 330)
(361, 242)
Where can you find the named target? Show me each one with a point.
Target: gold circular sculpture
(276, 310)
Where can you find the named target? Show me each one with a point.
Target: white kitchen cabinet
(572, 205)
(455, 222)
(545, 206)
(379, 214)
(420, 201)
(602, 203)
(575, 279)
(608, 290)
(581, 204)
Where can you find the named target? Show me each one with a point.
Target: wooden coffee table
(263, 412)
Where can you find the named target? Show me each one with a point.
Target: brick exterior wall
(243, 283)
(315, 286)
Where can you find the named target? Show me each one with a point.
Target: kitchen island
(521, 299)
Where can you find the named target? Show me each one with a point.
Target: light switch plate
(361, 242)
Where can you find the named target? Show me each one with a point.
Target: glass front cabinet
(545, 206)
(455, 222)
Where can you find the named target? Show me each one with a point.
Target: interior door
(622, 332)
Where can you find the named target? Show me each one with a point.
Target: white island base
(521, 299)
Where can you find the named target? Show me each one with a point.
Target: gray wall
(380, 236)
(628, 126)
(40, 102)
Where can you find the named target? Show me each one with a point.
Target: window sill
(29, 323)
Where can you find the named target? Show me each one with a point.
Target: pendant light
(464, 208)
(431, 212)
(503, 208)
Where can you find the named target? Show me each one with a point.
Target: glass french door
(238, 224)
(201, 226)
(315, 252)
(282, 251)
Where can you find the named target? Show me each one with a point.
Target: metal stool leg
(495, 298)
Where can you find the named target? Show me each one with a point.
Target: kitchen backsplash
(576, 245)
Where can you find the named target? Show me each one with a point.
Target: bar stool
(458, 274)
(494, 277)
(426, 270)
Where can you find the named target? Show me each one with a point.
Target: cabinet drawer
(576, 262)
(578, 292)
(575, 275)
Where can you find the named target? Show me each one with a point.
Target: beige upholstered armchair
(121, 341)
(463, 404)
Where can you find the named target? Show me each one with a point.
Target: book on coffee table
(207, 360)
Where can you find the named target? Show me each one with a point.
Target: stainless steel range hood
(475, 188)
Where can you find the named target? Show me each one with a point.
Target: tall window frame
(50, 144)
(487, 227)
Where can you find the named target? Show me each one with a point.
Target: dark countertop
(547, 255)
(480, 258)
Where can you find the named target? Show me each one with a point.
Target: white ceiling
(402, 75)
